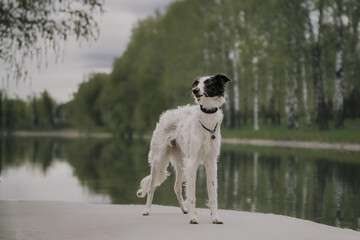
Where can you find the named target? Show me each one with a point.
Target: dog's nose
(195, 90)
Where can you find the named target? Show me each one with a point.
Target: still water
(321, 186)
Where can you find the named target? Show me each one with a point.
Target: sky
(62, 79)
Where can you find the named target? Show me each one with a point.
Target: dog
(187, 137)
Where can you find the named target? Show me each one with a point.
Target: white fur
(180, 139)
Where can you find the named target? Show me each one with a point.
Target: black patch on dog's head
(196, 82)
(214, 86)
(196, 90)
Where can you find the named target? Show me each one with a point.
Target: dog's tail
(145, 184)
(144, 187)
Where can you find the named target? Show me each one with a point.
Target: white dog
(186, 137)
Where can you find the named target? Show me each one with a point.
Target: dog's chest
(205, 145)
(196, 131)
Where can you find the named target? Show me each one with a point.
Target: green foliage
(38, 113)
(350, 134)
(279, 42)
(31, 28)
(45, 108)
(85, 109)
(166, 52)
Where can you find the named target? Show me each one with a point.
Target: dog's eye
(207, 82)
(195, 83)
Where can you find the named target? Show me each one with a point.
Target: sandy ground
(59, 220)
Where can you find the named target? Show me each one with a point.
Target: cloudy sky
(61, 80)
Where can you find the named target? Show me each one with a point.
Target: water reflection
(308, 187)
(322, 187)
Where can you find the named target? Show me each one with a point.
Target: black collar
(208, 111)
(210, 131)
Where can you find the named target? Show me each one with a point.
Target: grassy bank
(349, 134)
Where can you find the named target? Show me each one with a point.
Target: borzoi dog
(187, 137)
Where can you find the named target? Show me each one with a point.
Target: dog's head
(210, 91)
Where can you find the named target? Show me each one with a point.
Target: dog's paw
(194, 221)
(146, 212)
(217, 221)
(184, 210)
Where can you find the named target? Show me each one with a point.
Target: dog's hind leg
(150, 194)
(158, 176)
(177, 162)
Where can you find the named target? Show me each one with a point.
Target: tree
(13, 114)
(353, 97)
(314, 11)
(46, 110)
(85, 108)
(256, 94)
(339, 72)
(272, 50)
(35, 112)
(31, 28)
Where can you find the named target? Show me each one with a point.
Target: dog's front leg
(211, 175)
(190, 189)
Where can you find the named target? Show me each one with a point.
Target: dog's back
(170, 123)
(164, 144)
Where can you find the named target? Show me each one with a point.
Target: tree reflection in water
(319, 186)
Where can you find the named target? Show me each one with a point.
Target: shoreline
(65, 220)
(293, 144)
(233, 141)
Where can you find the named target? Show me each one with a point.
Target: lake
(318, 185)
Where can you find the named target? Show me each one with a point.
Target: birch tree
(305, 92)
(256, 93)
(314, 13)
(339, 72)
(223, 32)
(353, 8)
(234, 56)
(291, 101)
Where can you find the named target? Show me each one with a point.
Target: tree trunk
(354, 98)
(235, 84)
(206, 53)
(291, 102)
(287, 100)
(270, 99)
(322, 119)
(256, 96)
(245, 109)
(223, 54)
(294, 96)
(339, 74)
(277, 106)
(305, 94)
(320, 105)
(35, 113)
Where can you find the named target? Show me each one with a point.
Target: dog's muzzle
(196, 92)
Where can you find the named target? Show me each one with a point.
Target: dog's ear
(221, 77)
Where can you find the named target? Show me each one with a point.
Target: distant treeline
(289, 59)
(37, 113)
